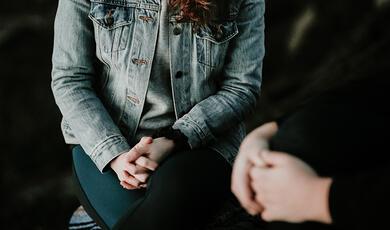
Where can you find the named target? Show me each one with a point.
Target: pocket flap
(218, 32)
(111, 16)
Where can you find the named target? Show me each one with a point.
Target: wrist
(321, 203)
(113, 163)
(169, 143)
(178, 139)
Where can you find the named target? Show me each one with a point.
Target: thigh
(101, 194)
(186, 190)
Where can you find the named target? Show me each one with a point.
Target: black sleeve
(343, 134)
(335, 131)
(361, 200)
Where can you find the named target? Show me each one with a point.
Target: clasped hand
(134, 167)
(276, 185)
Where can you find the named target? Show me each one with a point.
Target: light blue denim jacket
(102, 58)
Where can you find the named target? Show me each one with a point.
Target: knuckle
(142, 179)
(125, 185)
(245, 203)
(130, 181)
(130, 168)
(147, 163)
(136, 148)
(131, 154)
(141, 161)
(266, 216)
(233, 188)
(140, 169)
(126, 177)
(122, 176)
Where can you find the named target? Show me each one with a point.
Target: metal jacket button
(179, 74)
(218, 33)
(177, 30)
(109, 19)
(218, 36)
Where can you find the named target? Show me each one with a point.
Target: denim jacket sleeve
(240, 88)
(73, 76)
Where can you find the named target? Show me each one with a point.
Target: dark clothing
(343, 134)
(185, 191)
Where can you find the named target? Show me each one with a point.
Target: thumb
(256, 159)
(140, 148)
(273, 158)
(146, 140)
(268, 130)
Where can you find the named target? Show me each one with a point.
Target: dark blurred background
(311, 46)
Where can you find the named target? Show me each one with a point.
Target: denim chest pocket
(212, 42)
(113, 25)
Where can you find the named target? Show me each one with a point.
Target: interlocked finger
(146, 163)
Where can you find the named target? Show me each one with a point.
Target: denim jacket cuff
(197, 134)
(107, 150)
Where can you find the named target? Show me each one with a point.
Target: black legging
(184, 192)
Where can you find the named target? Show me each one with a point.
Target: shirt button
(177, 30)
(179, 74)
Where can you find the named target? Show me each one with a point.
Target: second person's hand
(249, 156)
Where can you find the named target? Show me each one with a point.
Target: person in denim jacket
(162, 87)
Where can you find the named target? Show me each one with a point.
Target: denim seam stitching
(113, 138)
